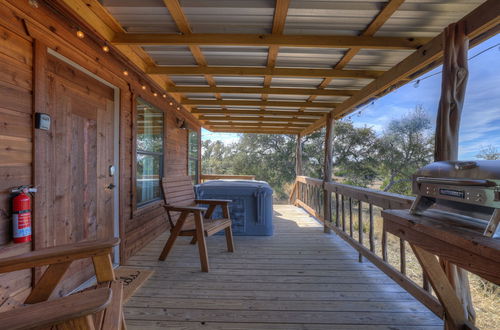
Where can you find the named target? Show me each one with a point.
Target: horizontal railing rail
(206, 177)
(354, 214)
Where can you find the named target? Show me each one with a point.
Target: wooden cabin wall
(22, 27)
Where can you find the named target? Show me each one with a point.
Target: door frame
(116, 144)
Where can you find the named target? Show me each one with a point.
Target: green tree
(405, 146)
(353, 153)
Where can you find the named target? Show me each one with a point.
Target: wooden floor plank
(300, 278)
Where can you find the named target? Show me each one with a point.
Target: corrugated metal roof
(414, 18)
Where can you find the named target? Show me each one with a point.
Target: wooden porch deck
(300, 278)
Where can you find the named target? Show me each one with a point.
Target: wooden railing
(360, 207)
(206, 177)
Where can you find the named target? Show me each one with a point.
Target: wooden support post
(455, 315)
(298, 156)
(327, 175)
(360, 227)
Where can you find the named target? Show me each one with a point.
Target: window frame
(195, 179)
(160, 155)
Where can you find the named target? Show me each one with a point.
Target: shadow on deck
(300, 278)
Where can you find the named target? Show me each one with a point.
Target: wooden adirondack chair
(193, 220)
(99, 307)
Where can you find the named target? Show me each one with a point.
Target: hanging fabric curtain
(453, 86)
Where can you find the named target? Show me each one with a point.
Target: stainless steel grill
(470, 188)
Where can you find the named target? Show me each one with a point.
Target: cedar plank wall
(137, 227)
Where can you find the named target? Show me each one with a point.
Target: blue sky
(480, 125)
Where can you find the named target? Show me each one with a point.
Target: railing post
(327, 173)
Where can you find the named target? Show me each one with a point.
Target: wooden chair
(194, 221)
(99, 307)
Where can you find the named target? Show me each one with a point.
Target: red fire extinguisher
(21, 214)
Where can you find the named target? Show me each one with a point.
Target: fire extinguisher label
(22, 224)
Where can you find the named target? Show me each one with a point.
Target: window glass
(149, 155)
(193, 155)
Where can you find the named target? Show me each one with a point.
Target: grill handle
(457, 182)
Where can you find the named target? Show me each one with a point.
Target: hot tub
(251, 208)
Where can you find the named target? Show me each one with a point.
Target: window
(149, 154)
(193, 155)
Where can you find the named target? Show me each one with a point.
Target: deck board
(300, 278)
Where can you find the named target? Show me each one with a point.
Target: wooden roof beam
(257, 118)
(260, 90)
(311, 114)
(253, 71)
(480, 23)
(249, 124)
(259, 103)
(255, 130)
(309, 41)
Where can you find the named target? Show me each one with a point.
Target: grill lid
(479, 169)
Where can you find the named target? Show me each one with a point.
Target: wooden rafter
(276, 39)
(259, 103)
(106, 26)
(481, 22)
(175, 9)
(260, 90)
(369, 31)
(251, 71)
(279, 19)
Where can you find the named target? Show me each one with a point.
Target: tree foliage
(489, 153)
(361, 157)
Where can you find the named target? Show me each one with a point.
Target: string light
(80, 34)
(164, 96)
(105, 48)
(143, 87)
(155, 94)
(125, 72)
(178, 108)
(170, 103)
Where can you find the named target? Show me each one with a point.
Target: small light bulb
(178, 108)
(143, 87)
(125, 72)
(80, 34)
(164, 96)
(170, 103)
(155, 94)
(105, 48)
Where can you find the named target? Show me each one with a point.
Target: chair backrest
(178, 190)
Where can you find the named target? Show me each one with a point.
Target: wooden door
(82, 145)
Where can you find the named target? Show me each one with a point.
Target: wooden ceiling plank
(259, 103)
(232, 39)
(484, 20)
(260, 90)
(252, 71)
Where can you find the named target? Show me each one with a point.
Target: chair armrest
(213, 201)
(58, 254)
(184, 208)
(56, 311)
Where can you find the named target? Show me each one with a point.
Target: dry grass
(485, 295)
